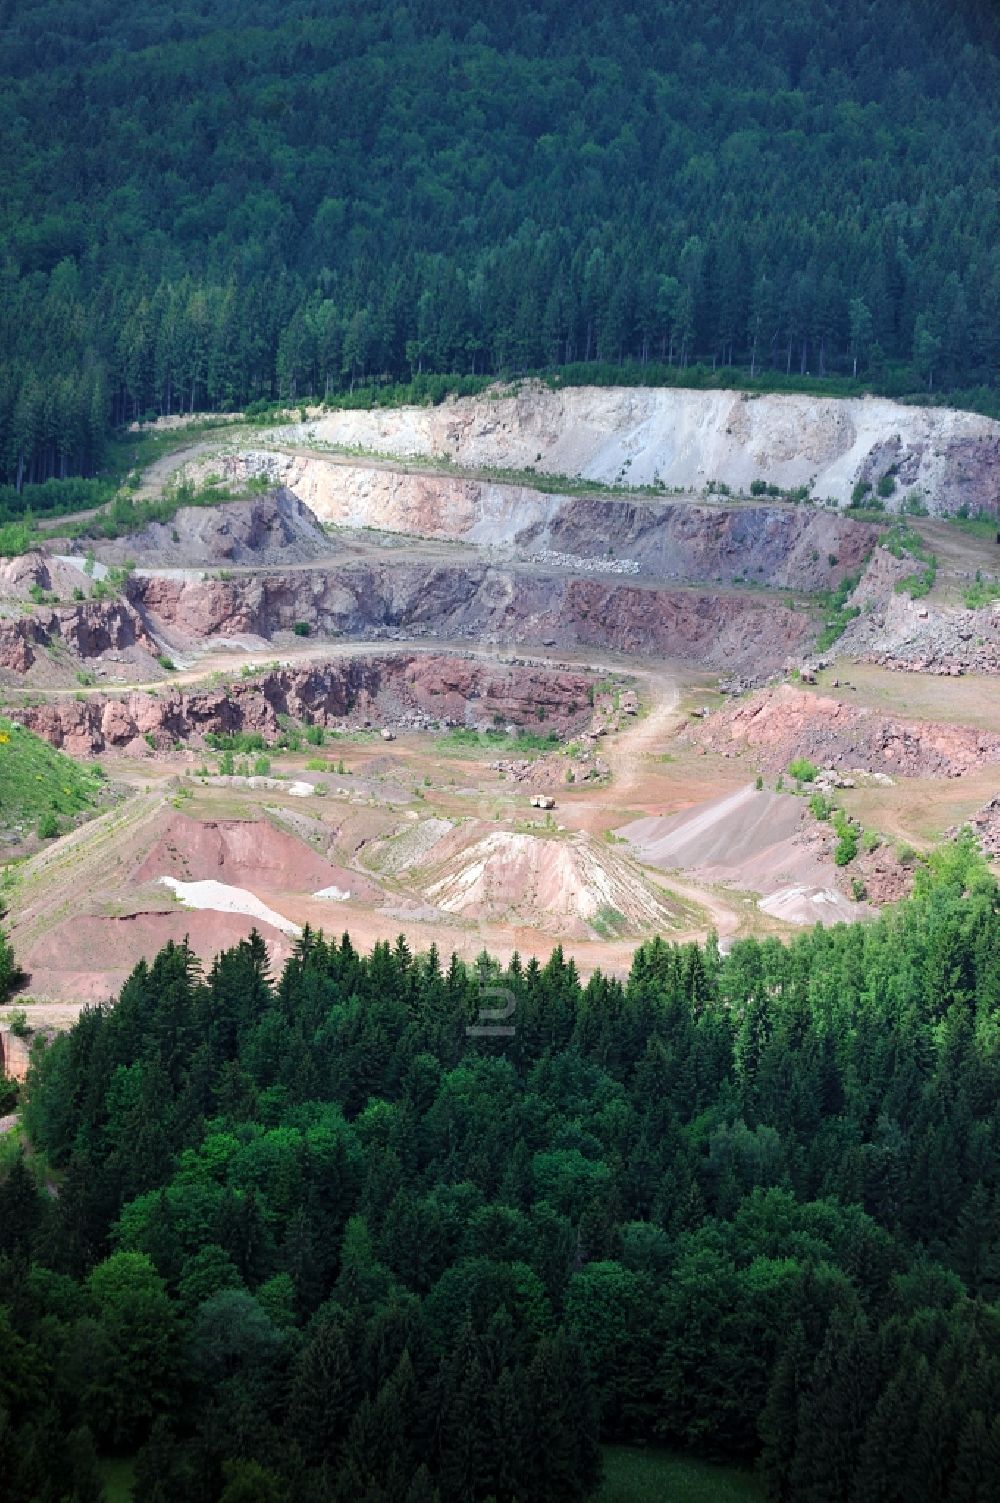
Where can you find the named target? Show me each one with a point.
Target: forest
(211, 203)
(314, 1236)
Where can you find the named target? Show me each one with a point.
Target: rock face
(274, 529)
(403, 689)
(780, 724)
(686, 438)
(789, 548)
(741, 631)
(88, 630)
(985, 825)
(14, 1055)
(795, 548)
(920, 637)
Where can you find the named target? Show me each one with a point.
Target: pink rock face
(117, 725)
(732, 631)
(16, 651)
(780, 724)
(389, 687)
(14, 1053)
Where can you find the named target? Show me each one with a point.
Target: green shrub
(847, 847)
(802, 770)
(847, 839)
(982, 592)
(236, 741)
(301, 628)
(18, 1023)
(48, 826)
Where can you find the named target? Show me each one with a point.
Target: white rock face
(682, 438)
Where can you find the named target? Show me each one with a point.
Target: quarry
(587, 664)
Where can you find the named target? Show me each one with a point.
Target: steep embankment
(687, 438)
(273, 529)
(778, 545)
(404, 689)
(744, 631)
(41, 621)
(780, 724)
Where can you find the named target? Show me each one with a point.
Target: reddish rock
(732, 630)
(404, 688)
(779, 724)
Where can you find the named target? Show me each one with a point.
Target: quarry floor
(424, 834)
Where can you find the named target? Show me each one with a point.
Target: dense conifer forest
(215, 202)
(306, 1237)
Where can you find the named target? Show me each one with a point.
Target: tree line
(313, 1239)
(216, 205)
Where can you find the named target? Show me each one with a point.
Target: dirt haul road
(629, 755)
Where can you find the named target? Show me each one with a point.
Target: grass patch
(37, 782)
(654, 1476)
(608, 922)
(525, 743)
(982, 592)
(237, 741)
(839, 614)
(982, 525)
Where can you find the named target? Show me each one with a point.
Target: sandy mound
(780, 724)
(742, 835)
(412, 847)
(243, 853)
(750, 839)
(569, 885)
(810, 905)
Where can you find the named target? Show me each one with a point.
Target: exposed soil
(15, 1054)
(243, 853)
(89, 958)
(568, 885)
(770, 844)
